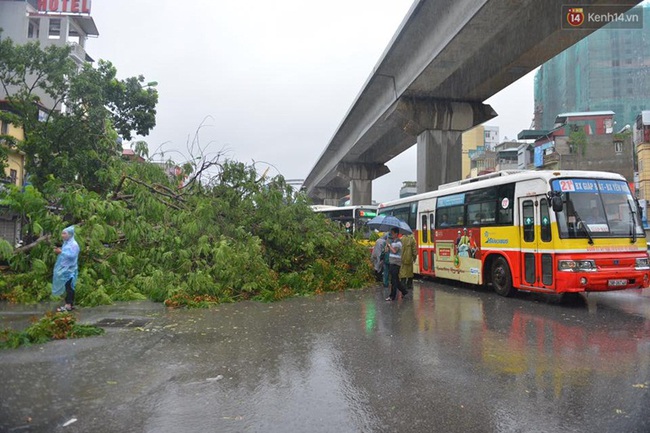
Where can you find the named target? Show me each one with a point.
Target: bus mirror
(556, 203)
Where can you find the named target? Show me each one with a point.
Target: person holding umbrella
(395, 262)
(393, 248)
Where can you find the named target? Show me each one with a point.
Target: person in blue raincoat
(66, 269)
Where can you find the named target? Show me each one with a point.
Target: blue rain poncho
(66, 267)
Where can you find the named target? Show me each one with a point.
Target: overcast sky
(269, 81)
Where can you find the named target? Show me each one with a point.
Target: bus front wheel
(502, 278)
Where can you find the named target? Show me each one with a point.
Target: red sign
(64, 6)
(575, 17)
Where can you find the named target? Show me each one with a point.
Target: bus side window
(425, 229)
(412, 218)
(545, 220)
(528, 221)
(443, 220)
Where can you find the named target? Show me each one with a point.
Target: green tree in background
(578, 140)
(73, 133)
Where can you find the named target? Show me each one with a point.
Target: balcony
(78, 53)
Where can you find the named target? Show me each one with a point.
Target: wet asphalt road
(450, 359)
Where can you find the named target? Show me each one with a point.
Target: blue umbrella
(384, 223)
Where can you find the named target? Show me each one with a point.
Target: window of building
(4, 128)
(13, 175)
(33, 28)
(55, 28)
(618, 147)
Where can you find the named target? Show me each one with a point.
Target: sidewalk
(120, 314)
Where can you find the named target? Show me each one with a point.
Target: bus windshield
(352, 219)
(595, 208)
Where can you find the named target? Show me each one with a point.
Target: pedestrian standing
(409, 254)
(66, 269)
(395, 262)
(386, 260)
(378, 258)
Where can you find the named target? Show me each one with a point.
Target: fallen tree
(228, 236)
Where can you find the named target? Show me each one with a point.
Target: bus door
(426, 250)
(536, 256)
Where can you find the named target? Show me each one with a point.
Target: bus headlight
(576, 265)
(642, 264)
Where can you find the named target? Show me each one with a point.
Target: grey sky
(269, 81)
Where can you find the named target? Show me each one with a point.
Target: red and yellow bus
(541, 231)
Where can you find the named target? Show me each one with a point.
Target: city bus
(541, 231)
(352, 218)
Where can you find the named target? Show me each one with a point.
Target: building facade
(408, 189)
(642, 143)
(480, 138)
(59, 23)
(584, 141)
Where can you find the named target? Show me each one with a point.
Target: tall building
(607, 70)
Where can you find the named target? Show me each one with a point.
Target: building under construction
(608, 70)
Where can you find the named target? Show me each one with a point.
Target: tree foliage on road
(241, 236)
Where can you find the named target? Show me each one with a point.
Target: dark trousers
(395, 282)
(69, 292)
(408, 283)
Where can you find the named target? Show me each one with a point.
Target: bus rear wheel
(502, 278)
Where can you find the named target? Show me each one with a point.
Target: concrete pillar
(333, 196)
(439, 158)
(361, 176)
(331, 201)
(438, 125)
(328, 196)
(65, 30)
(44, 30)
(360, 191)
